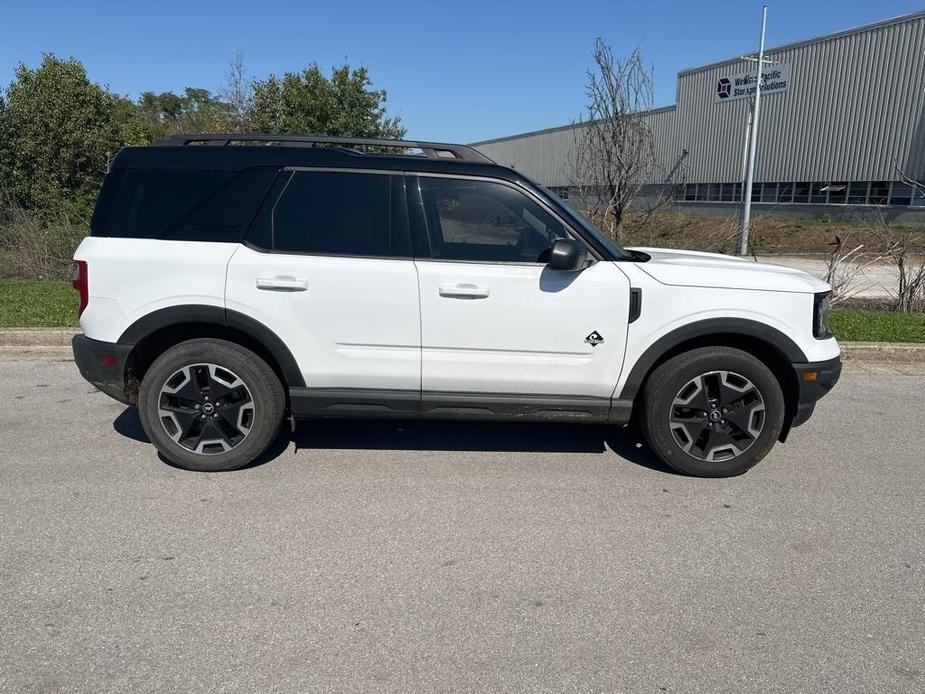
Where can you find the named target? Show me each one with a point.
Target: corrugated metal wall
(855, 107)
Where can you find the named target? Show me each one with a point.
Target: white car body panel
(527, 334)
(693, 268)
(667, 307)
(131, 278)
(357, 325)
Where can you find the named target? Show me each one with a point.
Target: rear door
(328, 268)
(497, 322)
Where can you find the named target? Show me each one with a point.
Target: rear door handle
(282, 283)
(464, 291)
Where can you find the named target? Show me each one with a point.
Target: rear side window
(334, 213)
(182, 205)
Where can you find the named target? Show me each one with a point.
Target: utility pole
(753, 141)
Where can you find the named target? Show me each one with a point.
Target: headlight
(821, 310)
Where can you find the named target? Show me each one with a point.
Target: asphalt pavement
(453, 557)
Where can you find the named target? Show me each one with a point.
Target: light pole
(753, 141)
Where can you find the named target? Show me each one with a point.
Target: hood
(696, 269)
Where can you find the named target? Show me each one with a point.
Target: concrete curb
(888, 352)
(37, 337)
(899, 352)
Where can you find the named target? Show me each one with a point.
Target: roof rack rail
(432, 150)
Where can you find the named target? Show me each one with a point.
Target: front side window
(334, 213)
(485, 221)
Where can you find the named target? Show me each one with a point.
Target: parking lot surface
(400, 557)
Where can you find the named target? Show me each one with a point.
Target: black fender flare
(216, 315)
(706, 328)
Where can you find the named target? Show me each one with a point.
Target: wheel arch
(150, 335)
(775, 349)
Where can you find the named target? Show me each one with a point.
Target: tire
(182, 412)
(712, 412)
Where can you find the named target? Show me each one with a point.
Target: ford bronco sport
(231, 282)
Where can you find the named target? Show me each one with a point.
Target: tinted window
(150, 202)
(180, 205)
(334, 213)
(224, 214)
(481, 220)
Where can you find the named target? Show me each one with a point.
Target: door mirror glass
(567, 255)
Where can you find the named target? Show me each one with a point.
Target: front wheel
(712, 412)
(210, 405)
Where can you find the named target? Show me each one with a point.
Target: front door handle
(282, 283)
(464, 291)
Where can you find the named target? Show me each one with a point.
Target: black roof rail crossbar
(432, 150)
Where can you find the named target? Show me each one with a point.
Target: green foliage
(877, 326)
(58, 132)
(195, 111)
(309, 102)
(32, 304)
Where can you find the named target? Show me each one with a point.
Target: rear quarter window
(181, 205)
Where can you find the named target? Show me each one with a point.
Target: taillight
(80, 284)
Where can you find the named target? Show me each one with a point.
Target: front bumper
(815, 380)
(103, 365)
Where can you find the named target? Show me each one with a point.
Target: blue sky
(456, 71)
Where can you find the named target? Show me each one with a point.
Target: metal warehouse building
(841, 116)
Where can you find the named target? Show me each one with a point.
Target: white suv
(230, 282)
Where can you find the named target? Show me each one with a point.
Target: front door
(496, 321)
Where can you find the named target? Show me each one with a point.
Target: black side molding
(708, 328)
(408, 404)
(216, 315)
(635, 303)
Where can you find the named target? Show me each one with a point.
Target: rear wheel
(712, 412)
(210, 405)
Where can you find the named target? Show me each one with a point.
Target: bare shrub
(848, 269)
(38, 247)
(904, 249)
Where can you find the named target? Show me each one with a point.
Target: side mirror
(567, 255)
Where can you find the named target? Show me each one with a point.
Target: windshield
(598, 235)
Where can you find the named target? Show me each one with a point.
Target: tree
(238, 93)
(58, 132)
(613, 154)
(307, 102)
(194, 111)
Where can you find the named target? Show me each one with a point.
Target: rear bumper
(812, 388)
(107, 374)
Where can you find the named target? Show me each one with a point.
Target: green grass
(37, 303)
(877, 326)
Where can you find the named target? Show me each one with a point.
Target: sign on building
(775, 78)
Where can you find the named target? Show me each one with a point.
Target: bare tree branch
(613, 151)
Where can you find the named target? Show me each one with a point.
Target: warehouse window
(768, 192)
(817, 194)
(857, 193)
(838, 193)
(879, 192)
(801, 192)
(901, 194)
(785, 192)
(918, 197)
